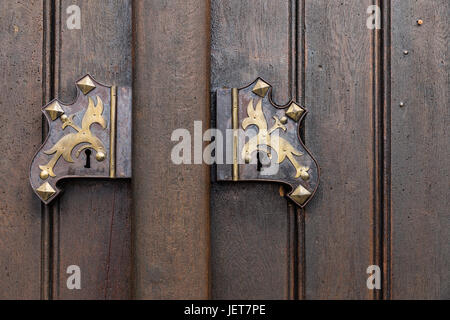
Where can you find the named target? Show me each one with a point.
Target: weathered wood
(171, 202)
(420, 218)
(339, 222)
(92, 227)
(250, 238)
(21, 80)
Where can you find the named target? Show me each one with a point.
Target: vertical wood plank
(21, 65)
(171, 202)
(92, 226)
(251, 223)
(420, 218)
(339, 222)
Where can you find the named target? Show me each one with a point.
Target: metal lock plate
(90, 138)
(264, 143)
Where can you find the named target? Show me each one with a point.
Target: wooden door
(377, 124)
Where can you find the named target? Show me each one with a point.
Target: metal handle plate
(98, 123)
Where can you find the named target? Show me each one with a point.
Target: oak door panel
(171, 202)
(340, 131)
(92, 227)
(420, 151)
(22, 81)
(250, 222)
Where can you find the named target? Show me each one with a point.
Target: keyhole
(259, 166)
(88, 158)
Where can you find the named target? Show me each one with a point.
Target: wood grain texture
(171, 202)
(340, 133)
(250, 222)
(21, 66)
(92, 228)
(420, 218)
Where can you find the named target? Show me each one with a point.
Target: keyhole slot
(259, 165)
(88, 158)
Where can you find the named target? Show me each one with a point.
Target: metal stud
(86, 85)
(45, 191)
(54, 110)
(295, 112)
(300, 195)
(261, 88)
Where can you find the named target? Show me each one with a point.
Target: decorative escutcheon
(90, 138)
(263, 141)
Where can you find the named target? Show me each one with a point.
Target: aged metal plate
(262, 141)
(90, 138)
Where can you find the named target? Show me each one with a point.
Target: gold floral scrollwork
(65, 146)
(264, 140)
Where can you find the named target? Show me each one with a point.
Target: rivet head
(420, 22)
(44, 175)
(284, 120)
(100, 156)
(406, 52)
(402, 104)
(304, 175)
(64, 118)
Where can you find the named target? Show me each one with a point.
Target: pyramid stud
(295, 112)
(300, 195)
(261, 88)
(54, 110)
(86, 85)
(45, 191)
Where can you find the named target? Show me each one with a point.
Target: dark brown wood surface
(420, 216)
(171, 202)
(170, 233)
(21, 97)
(250, 222)
(92, 226)
(339, 223)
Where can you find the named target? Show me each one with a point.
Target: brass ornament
(263, 139)
(300, 195)
(54, 110)
(265, 136)
(45, 191)
(91, 126)
(295, 112)
(86, 84)
(64, 147)
(261, 87)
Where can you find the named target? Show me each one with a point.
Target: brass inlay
(54, 110)
(301, 194)
(235, 123)
(261, 88)
(45, 191)
(295, 112)
(283, 148)
(112, 147)
(86, 85)
(66, 144)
